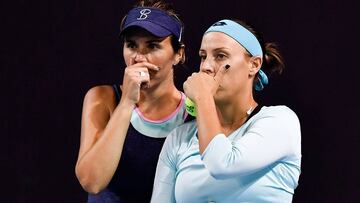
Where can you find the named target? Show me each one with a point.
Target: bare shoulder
(99, 103)
(103, 95)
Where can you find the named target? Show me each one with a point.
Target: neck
(158, 102)
(234, 113)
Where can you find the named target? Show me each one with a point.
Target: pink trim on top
(178, 108)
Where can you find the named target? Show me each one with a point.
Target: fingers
(140, 72)
(144, 64)
(221, 72)
(137, 76)
(143, 78)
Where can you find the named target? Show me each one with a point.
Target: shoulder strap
(117, 93)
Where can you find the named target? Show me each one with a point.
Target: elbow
(217, 171)
(88, 182)
(215, 168)
(221, 171)
(90, 187)
(218, 175)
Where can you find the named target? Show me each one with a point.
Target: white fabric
(259, 162)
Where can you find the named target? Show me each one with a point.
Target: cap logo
(219, 24)
(144, 14)
(154, 20)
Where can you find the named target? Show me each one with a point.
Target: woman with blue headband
(124, 127)
(236, 150)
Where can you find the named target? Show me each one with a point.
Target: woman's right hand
(136, 76)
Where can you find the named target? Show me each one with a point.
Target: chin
(218, 98)
(153, 85)
(221, 98)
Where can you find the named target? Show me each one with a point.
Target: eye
(130, 45)
(153, 46)
(220, 56)
(202, 57)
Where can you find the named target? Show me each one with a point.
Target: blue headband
(154, 20)
(246, 39)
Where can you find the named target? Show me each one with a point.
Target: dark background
(52, 52)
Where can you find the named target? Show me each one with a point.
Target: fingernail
(227, 66)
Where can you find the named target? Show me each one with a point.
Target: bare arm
(102, 138)
(104, 128)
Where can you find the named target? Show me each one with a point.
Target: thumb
(220, 74)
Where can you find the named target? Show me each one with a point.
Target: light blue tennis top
(259, 162)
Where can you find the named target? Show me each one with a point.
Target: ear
(180, 55)
(255, 65)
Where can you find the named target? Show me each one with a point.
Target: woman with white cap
(124, 127)
(237, 150)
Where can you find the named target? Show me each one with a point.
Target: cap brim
(153, 28)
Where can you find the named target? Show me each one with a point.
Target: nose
(208, 67)
(139, 57)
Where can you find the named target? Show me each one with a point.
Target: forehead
(215, 40)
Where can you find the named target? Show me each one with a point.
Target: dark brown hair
(273, 61)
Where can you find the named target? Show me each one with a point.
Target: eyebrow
(215, 50)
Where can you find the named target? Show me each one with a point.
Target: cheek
(127, 56)
(162, 58)
(236, 75)
(241, 68)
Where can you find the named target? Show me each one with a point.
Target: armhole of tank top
(189, 118)
(117, 93)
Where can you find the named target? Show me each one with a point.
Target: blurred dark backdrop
(52, 52)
